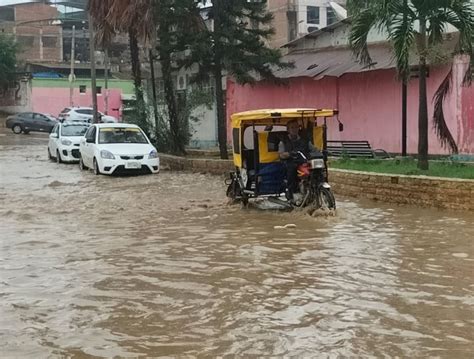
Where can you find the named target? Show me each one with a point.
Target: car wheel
(82, 166)
(96, 168)
(17, 129)
(58, 157)
(49, 155)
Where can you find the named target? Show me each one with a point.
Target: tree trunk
(153, 88)
(170, 97)
(219, 92)
(135, 59)
(423, 104)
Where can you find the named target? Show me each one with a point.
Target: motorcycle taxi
(259, 172)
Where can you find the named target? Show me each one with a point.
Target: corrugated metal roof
(339, 61)
(335, 62)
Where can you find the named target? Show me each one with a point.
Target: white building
(296, 18)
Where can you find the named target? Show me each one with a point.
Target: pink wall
(53, 100)
(369, 105)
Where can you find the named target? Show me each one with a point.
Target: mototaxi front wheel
(326, 199)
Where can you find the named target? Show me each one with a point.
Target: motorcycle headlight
(107, 155)
(153, 154)
(317, 163)
(66, 142)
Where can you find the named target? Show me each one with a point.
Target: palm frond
(362, 23)
(402, 34)
(439, 123)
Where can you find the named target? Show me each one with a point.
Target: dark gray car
(30, 122)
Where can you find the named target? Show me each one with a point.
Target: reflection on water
(161, 266)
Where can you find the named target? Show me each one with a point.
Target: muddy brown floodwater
(160, 265)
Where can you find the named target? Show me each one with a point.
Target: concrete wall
(420, 191)
(369, 105)
(204, 132)
(54, 100)
(17, 98)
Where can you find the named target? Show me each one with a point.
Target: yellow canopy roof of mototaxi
(280, 116)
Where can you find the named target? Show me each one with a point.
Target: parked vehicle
(259, 172)
(118, 148)
(30, 122)
(84, 114)
(64, 141)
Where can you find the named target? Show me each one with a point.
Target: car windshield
(121, 135)
(73, 130)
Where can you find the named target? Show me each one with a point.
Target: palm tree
(132, 16)
(420, 24)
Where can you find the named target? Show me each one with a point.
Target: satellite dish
(340, 12)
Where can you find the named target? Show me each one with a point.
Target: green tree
(420, 24)
(234, 46)
(176, 20)
(8, 49)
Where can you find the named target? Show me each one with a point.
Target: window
(332, 18)
(121, 135)
(25, 41)
(7, 14)
(236, 139)
(312, 15)
(82, 88)
(50, 41)
(71, 129)
(85, 111)
(90, 135)
(99, 90)
(40, 117)
(27, 115)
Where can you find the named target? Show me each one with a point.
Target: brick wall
(29, 36)
(420, 191)
(414, 190)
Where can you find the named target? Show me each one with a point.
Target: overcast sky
(11, 2)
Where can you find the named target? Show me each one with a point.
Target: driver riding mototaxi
(288, 151)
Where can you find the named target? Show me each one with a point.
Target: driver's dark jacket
(299, 144)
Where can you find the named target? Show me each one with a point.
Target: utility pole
(41, 49)
(71, 75)
(93, 74)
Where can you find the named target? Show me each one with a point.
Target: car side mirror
(53, 135)
(341, 127)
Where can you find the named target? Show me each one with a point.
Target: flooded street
(161, 266)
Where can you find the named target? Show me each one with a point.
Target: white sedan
(112, 148)
(64, 141)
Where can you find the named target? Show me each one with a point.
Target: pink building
(369, 99)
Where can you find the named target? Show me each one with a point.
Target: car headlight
(66, 142)
(153, 154)
(107, 155)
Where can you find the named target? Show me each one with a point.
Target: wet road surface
(161, 266)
